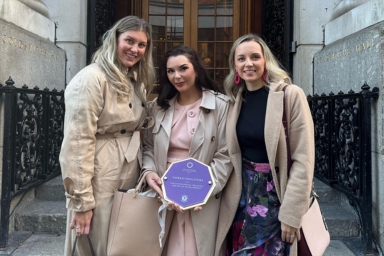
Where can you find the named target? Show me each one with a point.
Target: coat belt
(133, 147)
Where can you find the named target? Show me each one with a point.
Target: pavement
(42, 245)
(53, 245)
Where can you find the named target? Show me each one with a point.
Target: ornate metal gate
(101, 16)
(278, 29)
(33, 132)
(343, 149)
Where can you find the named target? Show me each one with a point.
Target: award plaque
(188, 183)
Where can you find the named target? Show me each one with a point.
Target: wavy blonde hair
(275, 73)
(143, 71)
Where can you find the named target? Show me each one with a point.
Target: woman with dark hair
(105, 111)
(190, 120)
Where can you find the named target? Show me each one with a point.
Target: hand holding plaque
(188, 183)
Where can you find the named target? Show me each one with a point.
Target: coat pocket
(106, 159)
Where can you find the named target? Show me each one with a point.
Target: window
(208, 26)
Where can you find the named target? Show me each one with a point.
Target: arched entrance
(209, 26)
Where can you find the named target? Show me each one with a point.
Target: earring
(264, 76)
(237, 78)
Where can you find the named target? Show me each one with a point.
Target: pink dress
(181, 238)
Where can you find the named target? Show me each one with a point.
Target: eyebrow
(253, 53)
(182, 65)
(134, 39)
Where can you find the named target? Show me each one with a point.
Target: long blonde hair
(275, 73)
(143, 71)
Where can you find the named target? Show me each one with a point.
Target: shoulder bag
(138, 223)
(315, 237)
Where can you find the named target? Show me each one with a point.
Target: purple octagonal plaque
(189, 183)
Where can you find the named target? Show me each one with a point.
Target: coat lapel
(232, 191)
(167, 117)
(207, 103)
(198, 137)
(273, 121)
(233, 115)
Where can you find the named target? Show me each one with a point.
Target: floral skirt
(256, 230)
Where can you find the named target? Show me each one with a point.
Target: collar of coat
(164, 118)
(207, 101)
(272, 125)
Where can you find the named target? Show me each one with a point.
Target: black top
(250, 125)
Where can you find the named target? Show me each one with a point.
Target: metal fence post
(8, 160)
(366, 231)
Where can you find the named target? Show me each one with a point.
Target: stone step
(52, 190)
(340, 222)
(42, 216)
(337, 247)
(53, 244)
(326, 194)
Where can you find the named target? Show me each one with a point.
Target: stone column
(308, 35)
(71, 18)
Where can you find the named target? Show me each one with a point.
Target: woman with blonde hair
(105, 112)
(266, 205)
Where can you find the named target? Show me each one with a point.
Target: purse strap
(285, 124)
(90, 246)
(141, 183)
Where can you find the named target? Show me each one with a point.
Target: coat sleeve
(221, 164)
(148, 150)
(301, 139)
(83, 103)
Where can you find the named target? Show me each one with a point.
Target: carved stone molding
(344, 6)
(37, 5)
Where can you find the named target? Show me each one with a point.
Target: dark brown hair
(166, 89)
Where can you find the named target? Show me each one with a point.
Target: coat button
(217, 196)
(191, 114)
(277, 169)
(207, 111)
(213, 138)
(193, 130)
(123, 131)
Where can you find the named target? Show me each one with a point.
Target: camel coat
(293, 193)
(209, 146)
(100, 152)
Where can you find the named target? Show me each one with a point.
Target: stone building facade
(335, 46)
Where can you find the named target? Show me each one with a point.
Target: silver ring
(292, 235)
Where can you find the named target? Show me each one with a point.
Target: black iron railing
(343, 149)
(33, 132)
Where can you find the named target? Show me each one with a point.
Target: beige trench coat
(100, 152)
(209, 146)
(294, 192)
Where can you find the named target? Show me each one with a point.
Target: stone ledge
(340, 222)
(361, 17)
(24, 17)
(45, 216)
(52, 190)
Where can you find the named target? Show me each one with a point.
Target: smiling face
(250, 64)
(131, 46)
(181, 74)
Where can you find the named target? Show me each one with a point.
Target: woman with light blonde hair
(106, 109)
(263, 204)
